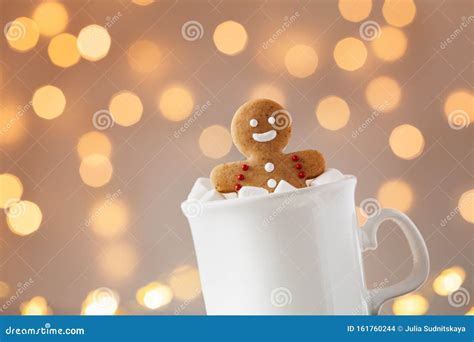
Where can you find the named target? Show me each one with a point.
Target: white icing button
(269, 167)
(271, 120)
(271, 183)
(253, 123)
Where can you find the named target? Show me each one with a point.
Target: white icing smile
(265, 137)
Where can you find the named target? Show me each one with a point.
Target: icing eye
(271, 120)
(253, 123)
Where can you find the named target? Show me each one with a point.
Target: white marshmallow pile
(205, 192)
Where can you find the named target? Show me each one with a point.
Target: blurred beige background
(110, 215)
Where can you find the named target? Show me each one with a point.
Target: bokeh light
(143, 56)
(51, 17)
(36, 306)
(94, 143)
(143, 2)
(154, 295)
(22, 34)
(93, 42)
(355, 10)
(396, 194)
(24, 217)
(383, 94)
(215, 141)
(399, 13)
(361, 216)
(230, 37)
(11, 189)
(301, 61)
(4, 289)
(101, 302)
(466, 206)
(449, 280)
(268, 91)
(49, 102)
(390, 45)
(96, 170)
(118, 261)
(185, 282)
(176, 103)
(460, 101)
(411, 304)
(126, 108)
(470, 312)
(333, 113)
(407, 142)
(350, 54)
(109, 218)
(62, 50)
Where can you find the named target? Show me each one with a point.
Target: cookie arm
(314, 163)
(223, 176)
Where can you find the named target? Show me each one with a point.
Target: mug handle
(421, 261)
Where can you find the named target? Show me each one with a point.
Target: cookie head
(261, 127)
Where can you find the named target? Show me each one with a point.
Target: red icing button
(295, 157)
(301, 174)
(299, 166)
(240, 177)
(237, 187)
(245, 167)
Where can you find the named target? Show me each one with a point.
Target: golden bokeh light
(11, 189)
(399, 13)
(407, 142)
(24, 217)
(215, 141)
(350, 54)
(470, 312)
(383, 94)
(460, 102)
(355, 10)
(62, 50)
(48, 102)
(118, 261)
(396, 194)
(230, 38)
(143, 2)
(390, 45)
(96, 170)
(22, 34)
(51, 17)
(268, 91)
(93, 42)
(301, 61)
(36, 306)
(109, 218)
(361, 216)
(4, 289)
(466, 206)
(449, 280)
(94, 143)
(185, 282)
(143, 56)
(154, 295)
(333, 113)
(176, 103)
(126, 108)
(411, 304)
(100, 302)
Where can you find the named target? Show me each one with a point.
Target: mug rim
(249, 200)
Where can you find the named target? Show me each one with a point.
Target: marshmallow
(329, 176)
(250, 191)
(284, 186)
(230, 195)
(200, 187)
(212, 195)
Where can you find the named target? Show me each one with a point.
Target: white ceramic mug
(294, 253)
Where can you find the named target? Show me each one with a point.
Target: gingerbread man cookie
(261, 129)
